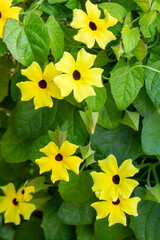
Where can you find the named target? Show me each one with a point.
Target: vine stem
(137, 66)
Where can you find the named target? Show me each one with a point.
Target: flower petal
(130, 205)
(100, 181)
(127, 169)
(72, 163)
(6, 3)
(87, 36)
(93, 77)
(80, 19)
(68, 149)
(9, 190)
(65, 84)
(54, 91)
(104, 37)
(45, 164)
(50, 72)
(117, 216)
(50, 149)
(4, 203)
(12, 215)
(92, 10)
(13, 13)
(85, 60)
(102, 209)
(82, 90)
(26, 209)
(28, 90)
(42, 99)
(127, 186)
(110, 21)
(33, 72)
(59, 173)
(2, 24)
(109, 165)
(66, 64)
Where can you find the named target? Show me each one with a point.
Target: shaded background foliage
(124, 113)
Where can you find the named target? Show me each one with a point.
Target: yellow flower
(13, 204)
(41, 85)
(78, 76)
(58, 160)
(92, 27)
(7, 12)
(116, 209)
(114, 180)
(24, 193)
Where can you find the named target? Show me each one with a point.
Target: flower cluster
(114, 187)
(16, 204)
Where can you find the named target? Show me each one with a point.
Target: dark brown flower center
(59, 157)
(15, 202)
(76, 75)
(116, 202)
(0, 15)
(92, 26)
(116, 179)
(23, 191)
(42, 84)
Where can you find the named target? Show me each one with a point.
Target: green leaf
(71, 4)
(85, 232)
(33, 151)
(109, 115)
(14, 149)
(151, 135)
(54, 229)
(125, 78)
(131, 119)
(87, 154)
(58, 137)
(56, 38)
(76, 214)
(143, 104)
(4, 77)
(29, 42)
(117, 231)
(90, 120)
(148, 18)
(70, 98)
(123, 142)
(152, 80)
(56, 1)
(7, 232)
(153, 193)
(144, 4)
(140, 51)
(57, 10)
(130, 38)
(118, 50)
(40, 199)
(115, 10)
(78, 189)
(27, 229)
(95, 103)
(156, 5)
(31, 123)
(149, 31)
(147, 224)
(38, 183)
(3, 48)
(102, 59)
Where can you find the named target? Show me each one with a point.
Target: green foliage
(146, 225)
(125, 78)
(29, 42)
(78, 189)
(122, 119)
